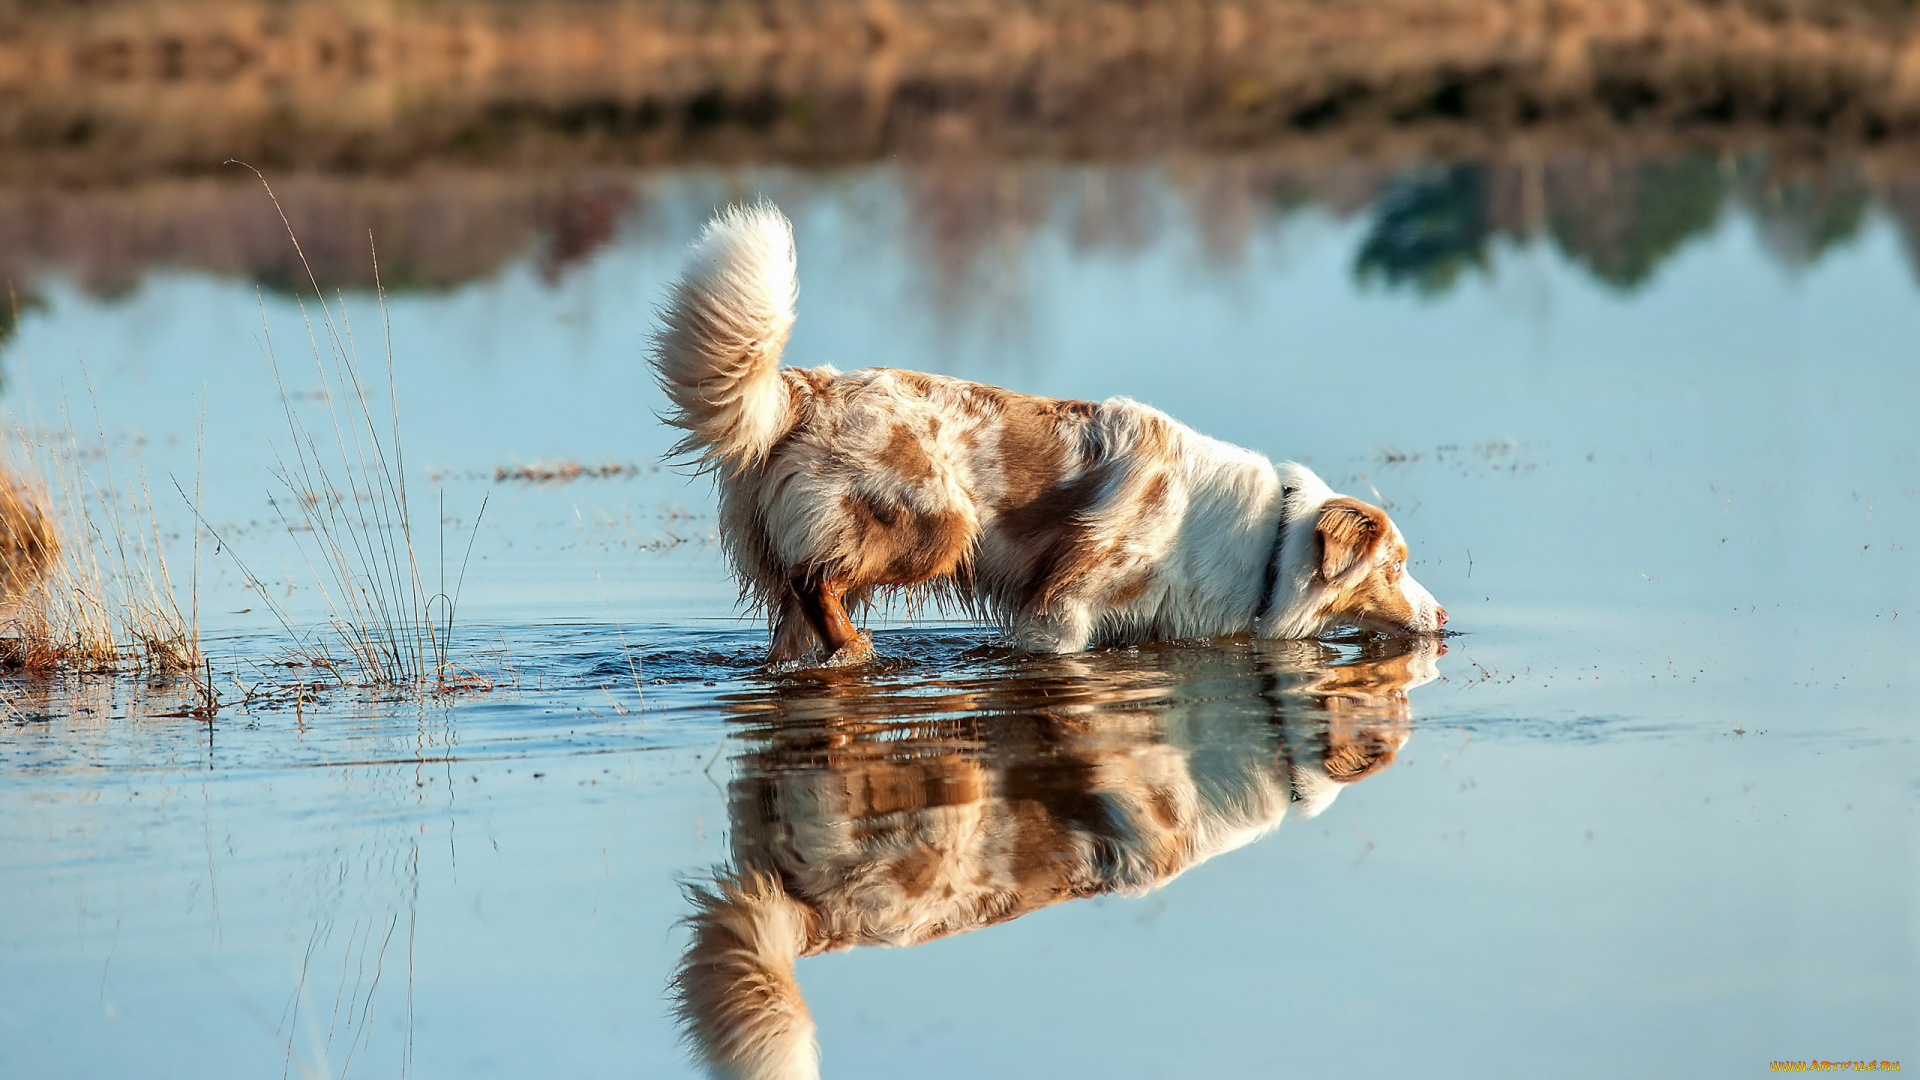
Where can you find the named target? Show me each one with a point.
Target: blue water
(1656, 816)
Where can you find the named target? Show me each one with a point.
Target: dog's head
(1345, 565)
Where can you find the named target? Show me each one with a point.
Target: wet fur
(1070, 523)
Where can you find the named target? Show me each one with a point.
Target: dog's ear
(1348, 532)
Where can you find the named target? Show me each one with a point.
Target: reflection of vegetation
(1626, 229)
(1801, 221)
(1431, 226)
(1620, 221)
(13, 305)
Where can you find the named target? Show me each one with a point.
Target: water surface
(1652, 812)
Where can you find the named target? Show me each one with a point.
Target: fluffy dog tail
(717, 353)
(735, 992)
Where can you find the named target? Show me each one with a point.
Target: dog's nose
(1439, 617)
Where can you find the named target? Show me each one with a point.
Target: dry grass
(561, 471)
(84, 581)
(344, 502)
(38, 635)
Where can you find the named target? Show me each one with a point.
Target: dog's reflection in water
(866, 815)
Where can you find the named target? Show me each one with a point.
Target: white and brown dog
(1070, 523)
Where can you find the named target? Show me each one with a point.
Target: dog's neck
(1289, 601)
(1268, 594)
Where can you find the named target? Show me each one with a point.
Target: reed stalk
(343, 500)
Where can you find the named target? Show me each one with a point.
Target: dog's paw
(857, 651)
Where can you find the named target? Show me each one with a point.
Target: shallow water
(1654, 813)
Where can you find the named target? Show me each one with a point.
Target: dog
(970, 805)
(1069, 523)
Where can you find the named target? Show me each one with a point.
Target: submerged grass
(343, 500)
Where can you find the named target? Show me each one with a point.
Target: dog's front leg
(1064, 628)
(822, 602)
(793, 636)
